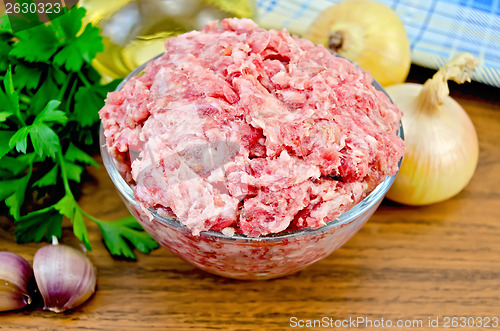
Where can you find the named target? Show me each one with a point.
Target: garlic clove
(15, 275)
(65, 277)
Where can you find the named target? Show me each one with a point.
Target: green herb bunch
(50, 96)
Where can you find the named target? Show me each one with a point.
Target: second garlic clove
(15, 276)
(65, 277)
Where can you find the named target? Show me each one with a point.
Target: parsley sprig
(50, 96)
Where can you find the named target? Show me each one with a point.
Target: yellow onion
(441, 142)
(368, 33)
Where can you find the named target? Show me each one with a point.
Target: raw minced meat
(243, 130)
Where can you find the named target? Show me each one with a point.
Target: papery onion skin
(15, 276)
(368, 33)
(442, 147)
(65, 277)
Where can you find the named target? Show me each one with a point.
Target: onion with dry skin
(441, 142)
(368, 33)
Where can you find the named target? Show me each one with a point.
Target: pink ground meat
(239, 128)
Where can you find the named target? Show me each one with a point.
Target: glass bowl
(238, 256)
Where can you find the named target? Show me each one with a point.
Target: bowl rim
(349, 216)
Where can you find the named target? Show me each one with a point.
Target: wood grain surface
(406, 264)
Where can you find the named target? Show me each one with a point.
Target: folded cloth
(437, 29)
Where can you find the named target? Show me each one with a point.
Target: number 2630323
(32, 8)
(470, 322)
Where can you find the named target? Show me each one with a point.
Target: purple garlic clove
(65, 277)
(15, 275)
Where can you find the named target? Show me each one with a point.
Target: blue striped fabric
(437, 29)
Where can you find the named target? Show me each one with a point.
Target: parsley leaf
(34, 226)
(88, 97)
(5, 48)
(26, 76)
(73, 171)
(39, 100)
(68, 207)
(19, 139)
(37, 44)
(70, 57)
(69, 24)
(50, 114)
(10, 98)
(16, 165)
(90, 43)
(118, 235)
(44, 140)
(80, 229)
(82, 48)
(5, 136)
(49, 179)
(4, 115)
(13, 192)
(50, 92)
(73, 154)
